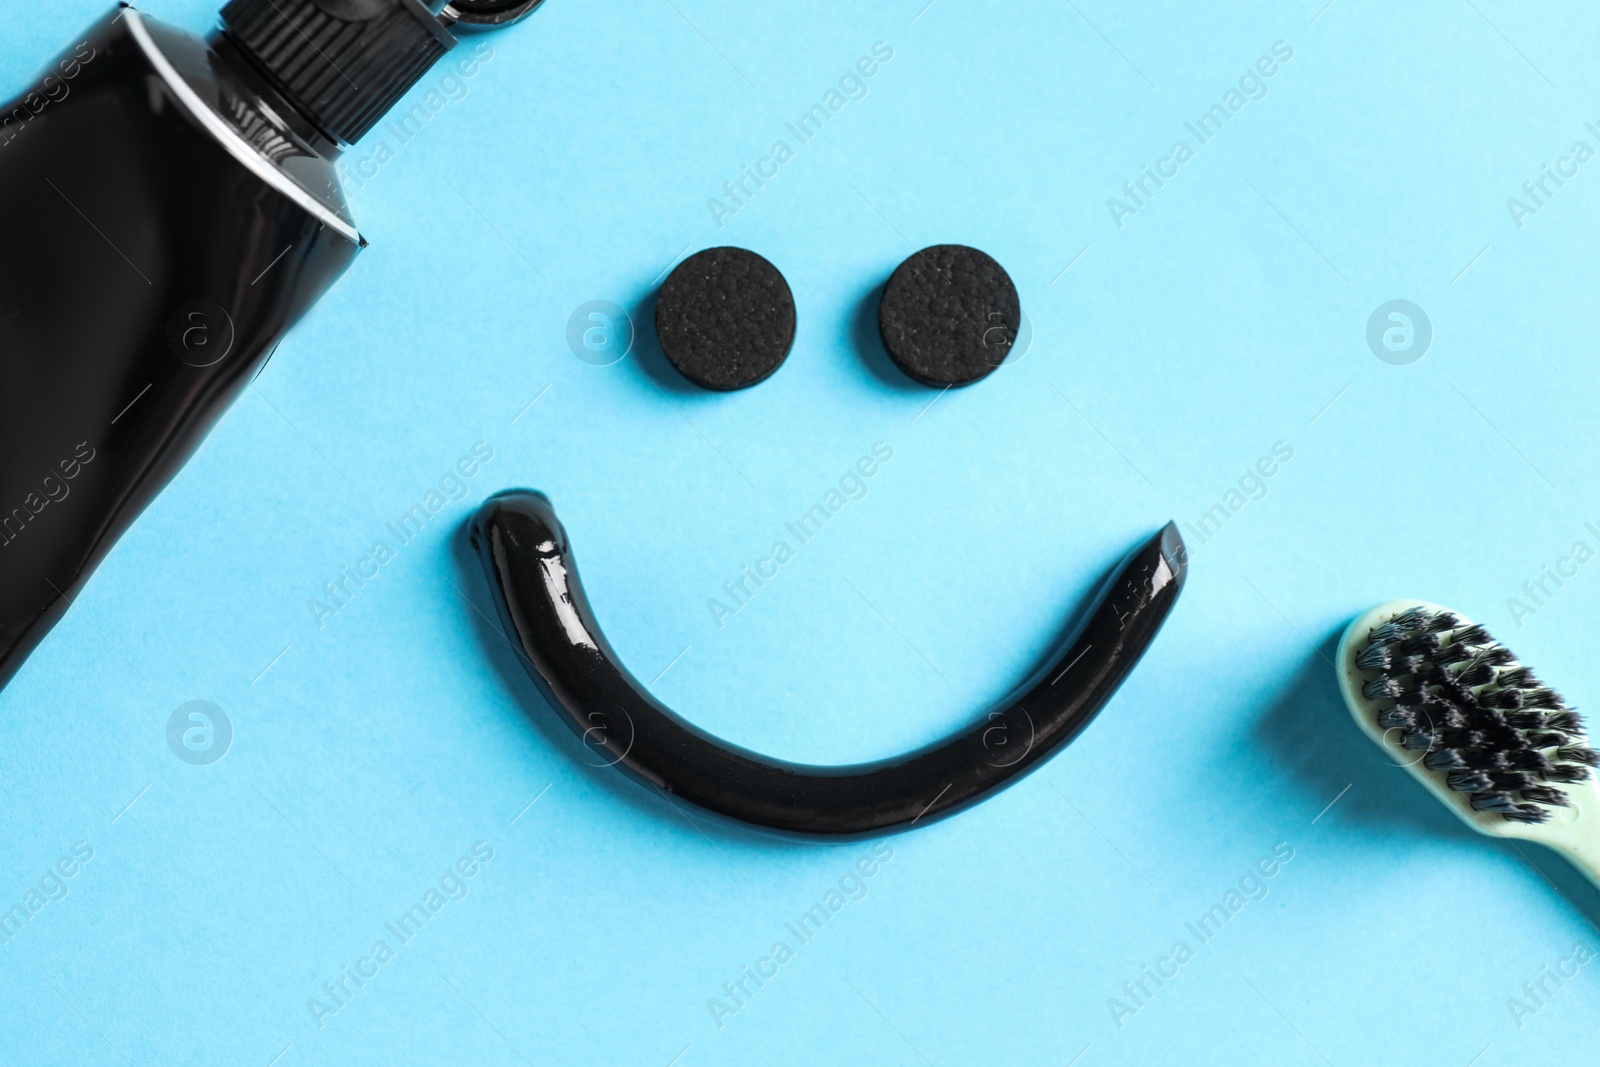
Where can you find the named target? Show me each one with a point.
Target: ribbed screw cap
(344, 63)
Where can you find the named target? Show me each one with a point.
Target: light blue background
(1226, 315)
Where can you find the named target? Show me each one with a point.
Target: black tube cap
(344, 63)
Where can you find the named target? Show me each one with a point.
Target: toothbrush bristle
(1497, 733)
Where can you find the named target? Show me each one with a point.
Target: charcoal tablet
(949, 315)
(725, 318)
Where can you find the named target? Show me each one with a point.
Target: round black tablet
(949, 315)
(725, 318)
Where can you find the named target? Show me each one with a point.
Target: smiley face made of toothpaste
(725, 317)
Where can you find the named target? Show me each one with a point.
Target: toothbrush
(1473, 725)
